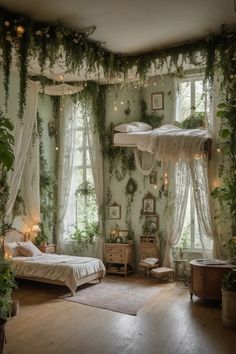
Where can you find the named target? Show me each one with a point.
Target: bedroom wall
(134, 96)
(158, 84)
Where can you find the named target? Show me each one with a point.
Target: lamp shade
(36, 228)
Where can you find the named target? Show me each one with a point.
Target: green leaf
(224, 133)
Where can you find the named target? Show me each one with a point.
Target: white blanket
(67, 269)
(171, 142)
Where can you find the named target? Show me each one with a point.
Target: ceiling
(133, 26)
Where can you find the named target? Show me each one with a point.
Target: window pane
(79, 139)
(185, 100)
(199, 96)
(78, 158)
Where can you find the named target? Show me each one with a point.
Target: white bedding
(63, 268)
(129, 139)
(166, 142)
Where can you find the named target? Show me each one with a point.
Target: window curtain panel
(96, 158)
(178, 189)
(30, 181)
(22, 134)
(199, 177)
(65, 166)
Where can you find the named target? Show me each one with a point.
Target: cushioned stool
(163, 271)
(147, 267)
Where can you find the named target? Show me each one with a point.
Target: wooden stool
(162, 271)
(147, 267)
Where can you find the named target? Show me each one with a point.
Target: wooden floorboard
(169, 324)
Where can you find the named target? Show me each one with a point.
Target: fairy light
(61, 77)
(218, 149)
(155, 186)
(20, 31)
(122, 102)
(56, 148)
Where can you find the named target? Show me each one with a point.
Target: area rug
(115, 295)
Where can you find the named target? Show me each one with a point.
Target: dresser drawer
(115, 258)
(115, 250)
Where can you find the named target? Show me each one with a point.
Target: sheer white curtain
(96, 159)
(178, 189)
(22, 133)
(199, 176)
(65, 166)
(30, 181)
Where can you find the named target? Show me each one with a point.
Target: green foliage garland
(47, 191)
(226, 194)
(49, 43)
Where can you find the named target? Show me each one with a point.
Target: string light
(61, 77)
(20, 31)
(218, 149)
(56, 148)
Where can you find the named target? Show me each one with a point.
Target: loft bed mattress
(167, 141)
(129, 139)
(68, 270)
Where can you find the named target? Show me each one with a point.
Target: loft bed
(70, 271)
(166, 141)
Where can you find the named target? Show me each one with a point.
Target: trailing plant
(47, 190)
(152, 119)
(226, 193)
(6, 142)
(121, 160)
(49, 43)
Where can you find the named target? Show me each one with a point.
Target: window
(82, 208)
(192, 97)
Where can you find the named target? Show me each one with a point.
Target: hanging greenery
(49, 43)
(226, 194)
(47, 191)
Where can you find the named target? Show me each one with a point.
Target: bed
(70, 271)
(166, 140)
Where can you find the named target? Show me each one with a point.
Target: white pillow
(132, 127)
(28, 249)
(11, 249)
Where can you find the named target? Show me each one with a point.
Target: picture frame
(114, 211)
(148, 206)
(153, 177)
(157, 101)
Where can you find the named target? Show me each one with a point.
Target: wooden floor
(171, 323)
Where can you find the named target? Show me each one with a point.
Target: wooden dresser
(205, 280)
(119, 258)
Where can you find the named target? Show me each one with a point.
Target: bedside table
(48, 248)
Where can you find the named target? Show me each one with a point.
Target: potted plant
(229, 299)
(7, 282)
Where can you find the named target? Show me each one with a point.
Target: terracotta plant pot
(229, 308)
(2, 334)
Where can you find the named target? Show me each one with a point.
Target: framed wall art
(114, 211)
(157, 101)
(148, 204)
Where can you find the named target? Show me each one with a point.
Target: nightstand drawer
(48, 248)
